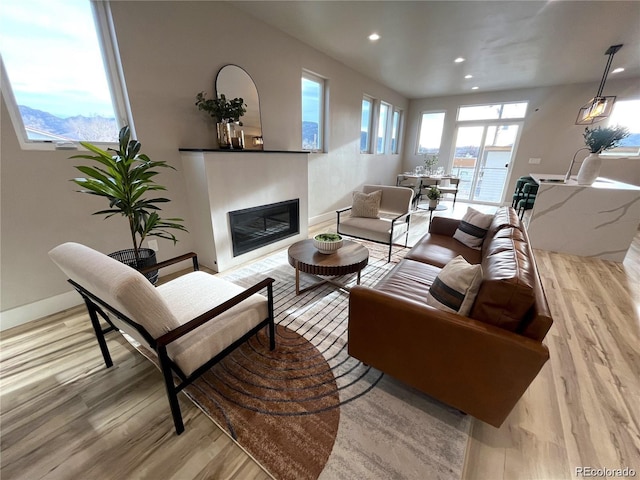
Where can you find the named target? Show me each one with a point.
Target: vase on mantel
(590, 169)
(223, 130)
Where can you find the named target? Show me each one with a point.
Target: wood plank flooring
(64, 416)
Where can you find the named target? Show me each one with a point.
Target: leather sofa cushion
(507, 291)
(409, 280)
(439, 250)
(503, 218)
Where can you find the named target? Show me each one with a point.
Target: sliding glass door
(482, 157)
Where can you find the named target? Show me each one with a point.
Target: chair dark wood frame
(168, 367)
(406, 217)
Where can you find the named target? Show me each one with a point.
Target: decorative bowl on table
(327, 242)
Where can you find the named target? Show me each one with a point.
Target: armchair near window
(384, 224)
(451, 188)
(190, 323)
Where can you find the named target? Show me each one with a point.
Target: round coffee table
(304, 257)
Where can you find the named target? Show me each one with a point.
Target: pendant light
(599, 107)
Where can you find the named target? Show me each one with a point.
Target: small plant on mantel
(221, 109)
(604, 138)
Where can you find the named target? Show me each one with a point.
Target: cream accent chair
(393, 221)
(191, 323)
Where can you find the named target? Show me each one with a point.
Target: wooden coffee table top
(350, 258)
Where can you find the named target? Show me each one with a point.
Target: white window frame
(609, 123)
(322, 110)
(398, 127)
(105, 31)
(422, 114)
(386, 129)
(372, 109)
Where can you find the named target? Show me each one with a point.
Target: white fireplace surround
(219, 182)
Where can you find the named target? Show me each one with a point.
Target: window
(626, 114)
(312, 112)
(58, 88)
(365, 126)
(381, 139)
(492, 112)
(430, 133)
(395, 131)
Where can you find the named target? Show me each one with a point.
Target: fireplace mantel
(221, 181)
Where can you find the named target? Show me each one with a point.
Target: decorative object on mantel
(123, 177)
(227, 113)
(599, 107)
(327, 242)
(598, 140)
(433, 194)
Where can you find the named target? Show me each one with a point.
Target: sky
(51, 54)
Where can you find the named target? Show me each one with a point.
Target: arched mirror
(235, 82)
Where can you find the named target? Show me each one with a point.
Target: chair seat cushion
(192, 295)
(376, 229)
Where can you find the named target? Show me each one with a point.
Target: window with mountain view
(365, 125)
(312, 112)
(54, 63)
(626, 113)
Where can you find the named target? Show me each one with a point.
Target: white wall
(548, 133)
(171, 51)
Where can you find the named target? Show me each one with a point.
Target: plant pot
(327, 246)
(224, 135)
(589, 170)
(147, 258)
(433, 203)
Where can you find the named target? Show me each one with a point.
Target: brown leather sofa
(480, 364)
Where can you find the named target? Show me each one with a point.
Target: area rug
(308, 410)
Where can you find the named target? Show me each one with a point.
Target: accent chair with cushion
(190, 323)
(379, 213)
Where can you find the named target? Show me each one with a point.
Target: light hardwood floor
(64, 416)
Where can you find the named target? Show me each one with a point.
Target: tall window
(626, 113)
(365, 125)
(383, 117)
(395, 131)
(312, 112)
(430, 133)
(53, 58)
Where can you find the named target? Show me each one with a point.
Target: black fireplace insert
(256, 227)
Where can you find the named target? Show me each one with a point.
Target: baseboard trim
(36, 310)
(325, 217)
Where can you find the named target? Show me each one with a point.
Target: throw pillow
(366, 204)
(456, 286)
(473, 228)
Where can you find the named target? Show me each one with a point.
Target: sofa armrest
(474, 367)
(444, 226)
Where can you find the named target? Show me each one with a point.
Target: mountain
(72, 128)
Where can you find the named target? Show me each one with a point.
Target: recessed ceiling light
(617, 70)
(475, 88)
(374, 36)
(459, 60)
(468, 76)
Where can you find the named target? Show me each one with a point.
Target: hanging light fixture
(599, 107)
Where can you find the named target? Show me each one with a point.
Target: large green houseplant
(124, 177)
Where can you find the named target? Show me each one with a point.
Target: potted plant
(225, 112)
(124, 176)
(597, 141)
(429, 162)
(327, 242)
(433, 194)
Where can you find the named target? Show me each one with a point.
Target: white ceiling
(507, 44)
